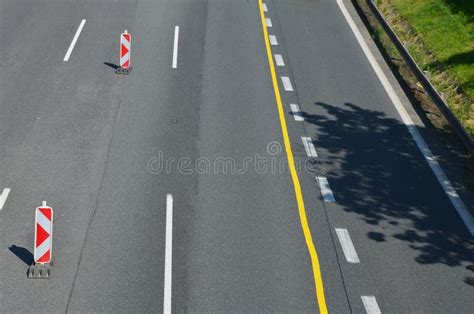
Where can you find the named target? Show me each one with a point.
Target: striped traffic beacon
(43, 242)
(125, 52)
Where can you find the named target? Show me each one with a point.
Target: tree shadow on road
(380, 175)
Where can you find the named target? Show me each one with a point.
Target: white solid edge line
(175, 48)
(268, 22)
(370, 304)
(326, 191)
(287, 83)
(3, 197)
(347, 246)
(309, 146)
(420, 142)
(265, 9)
(168, 255)
(297, 114)
(279, 60)
(74, 40)
(273, 40)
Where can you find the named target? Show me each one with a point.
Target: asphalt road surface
(296, 184)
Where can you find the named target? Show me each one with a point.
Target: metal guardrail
(425, 82)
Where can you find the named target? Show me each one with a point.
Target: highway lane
(58, 120)
(95, 145)
(247, 252)
(123, 257)
(56, 124)
(415, 252)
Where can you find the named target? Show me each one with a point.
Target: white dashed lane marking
(265, 9)
(279, 60)
(325, 190)
(287, 83)
(297, 114)
(3, 197)
(273, 40)
(168, 255)
(268, 21)
(74, 40)
(347, 246)
(309, 146)
(174, 64)
(370, 304)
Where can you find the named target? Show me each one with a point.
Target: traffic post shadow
(24, 254)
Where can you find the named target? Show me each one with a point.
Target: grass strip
(440, 36)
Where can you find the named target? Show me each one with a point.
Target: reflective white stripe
(125, 58)
(309, 146)
(125, 42)
(370, 304)
(43, 221)
(265, 9)
(325, 190)
(42, 249)
(47, 225)
(347, 246)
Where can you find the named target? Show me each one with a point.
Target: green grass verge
(440, 36)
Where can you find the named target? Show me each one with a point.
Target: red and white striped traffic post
(125, 52)
(43, 251)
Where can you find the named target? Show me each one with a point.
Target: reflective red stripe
(46, 212)
(125, 47)
(43, 234)
(124, 50)
(46, 258)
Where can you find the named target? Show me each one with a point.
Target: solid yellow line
(318, 280)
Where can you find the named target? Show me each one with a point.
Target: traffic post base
(39, 271)
(125, 71)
